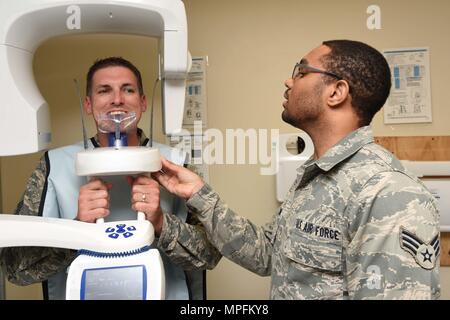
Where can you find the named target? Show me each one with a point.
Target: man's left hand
(145, 197)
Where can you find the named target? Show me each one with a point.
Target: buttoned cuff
(202, 200)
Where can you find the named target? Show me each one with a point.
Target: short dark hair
(112, 62)
(366, 71)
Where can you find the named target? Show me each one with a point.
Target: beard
(305, 109)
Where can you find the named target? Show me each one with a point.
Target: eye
(129, 90)
(300, 74)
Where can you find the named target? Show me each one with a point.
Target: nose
(118, 98)
(288, 83)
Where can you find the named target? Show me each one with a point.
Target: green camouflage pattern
(186, 244)
(355, 225)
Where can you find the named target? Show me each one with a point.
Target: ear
(143, 103)
(340, 91)
(87, 105)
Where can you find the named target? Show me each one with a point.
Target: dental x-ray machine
(107, 251)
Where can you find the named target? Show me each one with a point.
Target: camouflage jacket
(27, 265)
(354, 225)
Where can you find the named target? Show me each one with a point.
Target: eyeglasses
(302, 69)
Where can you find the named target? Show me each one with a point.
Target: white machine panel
(288, 163)
(440, 189)
(135, 277)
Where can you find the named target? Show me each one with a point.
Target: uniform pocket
(311, 250)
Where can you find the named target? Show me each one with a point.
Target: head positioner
(25, 24)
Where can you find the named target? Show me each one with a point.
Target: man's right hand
(178, 180)
(93, 200)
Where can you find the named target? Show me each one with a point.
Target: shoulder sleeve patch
(424, 253)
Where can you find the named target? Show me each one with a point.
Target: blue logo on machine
(121, 229)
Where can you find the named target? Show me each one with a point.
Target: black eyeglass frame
(311, 69)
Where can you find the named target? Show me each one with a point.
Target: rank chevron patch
(424, 253)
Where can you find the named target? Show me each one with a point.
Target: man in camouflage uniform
(54, 190)
(355, 224)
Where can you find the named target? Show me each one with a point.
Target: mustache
(285, 95)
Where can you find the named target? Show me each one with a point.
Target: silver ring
(144, 196)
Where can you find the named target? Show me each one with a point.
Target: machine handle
(18, 231)
(141, 216)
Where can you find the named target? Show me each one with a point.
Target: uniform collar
(342, 150)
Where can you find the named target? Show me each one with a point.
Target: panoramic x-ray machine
(115, 260)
